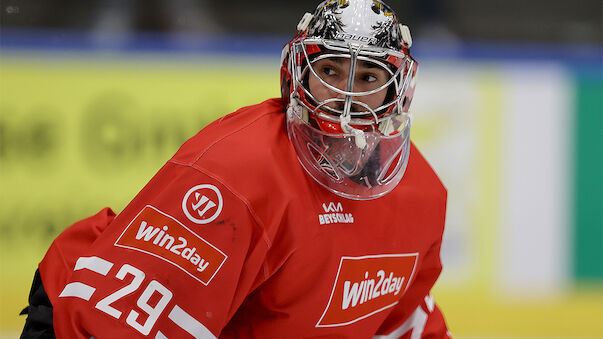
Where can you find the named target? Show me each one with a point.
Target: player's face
(335, 71)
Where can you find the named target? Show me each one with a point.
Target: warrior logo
(202, 204)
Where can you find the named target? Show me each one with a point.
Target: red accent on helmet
(335, 127)
(329, 126)
(312, 49)
(396, 61)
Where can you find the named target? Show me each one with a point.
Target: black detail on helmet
(387, 34)
(327, 24)
(381, 8)
(375, 8)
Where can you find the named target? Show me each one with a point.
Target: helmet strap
(305, 21)
(359, 137)
(297, 109)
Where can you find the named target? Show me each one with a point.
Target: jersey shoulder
(246, 147)
(227, 130)
(249, 152)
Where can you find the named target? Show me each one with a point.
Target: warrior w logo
(199, 203)
(332, 207)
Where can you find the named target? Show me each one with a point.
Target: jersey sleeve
(176, 262)
(417, 316)
(60, 259)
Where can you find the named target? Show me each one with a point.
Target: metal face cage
(399, 67)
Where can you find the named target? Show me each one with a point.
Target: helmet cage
(399, 66)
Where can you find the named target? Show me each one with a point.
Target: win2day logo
(161, 235)
(367, 285)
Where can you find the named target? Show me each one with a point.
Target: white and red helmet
(352, 149)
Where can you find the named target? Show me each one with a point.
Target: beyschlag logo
(367, 285)
(158, 234)
(334, 214)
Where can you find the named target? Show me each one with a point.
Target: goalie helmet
(352, 146)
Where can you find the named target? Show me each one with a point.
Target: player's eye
(369, 77)
(329, 71)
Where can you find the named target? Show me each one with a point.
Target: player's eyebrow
(366, 64)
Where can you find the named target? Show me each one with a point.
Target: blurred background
(96, 95)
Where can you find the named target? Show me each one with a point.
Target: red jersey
(231, 238)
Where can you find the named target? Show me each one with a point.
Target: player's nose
(343, 86)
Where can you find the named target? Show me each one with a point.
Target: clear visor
(336, 162)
